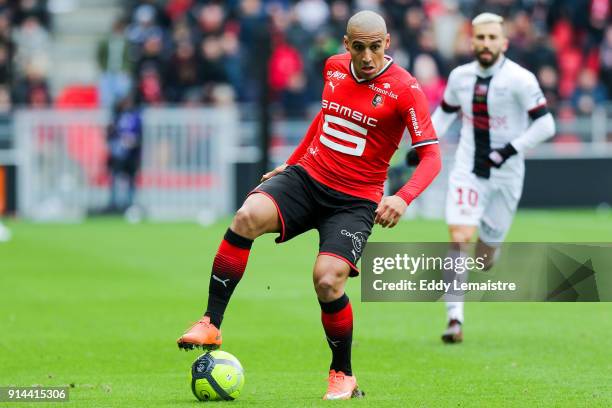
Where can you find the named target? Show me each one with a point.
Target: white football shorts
(487, 203)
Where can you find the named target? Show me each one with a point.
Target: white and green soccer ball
(217, 376)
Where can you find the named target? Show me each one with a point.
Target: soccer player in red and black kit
(333, 182)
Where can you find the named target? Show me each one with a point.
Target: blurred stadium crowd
(192, 51)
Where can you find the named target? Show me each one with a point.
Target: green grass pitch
(100, 305)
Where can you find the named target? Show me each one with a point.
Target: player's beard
(486, 63)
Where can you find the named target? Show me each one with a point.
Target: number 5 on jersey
(359, 142)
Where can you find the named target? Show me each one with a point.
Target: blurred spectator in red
(285, 62)
(150, 87)
(114, 62)
(588, 93)
(569, 62)
(287, 79)
(176, 9)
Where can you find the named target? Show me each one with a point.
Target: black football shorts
(344, 222)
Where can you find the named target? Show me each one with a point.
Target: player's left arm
(415, 111)
(531, 98)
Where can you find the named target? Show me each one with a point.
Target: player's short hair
(486, 18)
(366, 19)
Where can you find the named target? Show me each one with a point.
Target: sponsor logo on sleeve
(415, 123)
(336, 75)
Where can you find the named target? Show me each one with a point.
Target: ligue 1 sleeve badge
(378, 100)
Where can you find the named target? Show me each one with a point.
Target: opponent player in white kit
(503, 114)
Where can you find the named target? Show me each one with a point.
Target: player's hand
(273, 173)
(412, 158)
(497, 157)
(389, 211)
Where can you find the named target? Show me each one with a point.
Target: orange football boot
(202, 334)
(342, 387)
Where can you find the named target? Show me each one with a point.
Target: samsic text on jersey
(361, 124)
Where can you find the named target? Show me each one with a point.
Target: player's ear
(346, 43)
(387, 41)
(505, 44)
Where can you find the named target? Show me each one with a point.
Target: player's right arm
(299, 151)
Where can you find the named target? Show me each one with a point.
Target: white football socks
(454, 298)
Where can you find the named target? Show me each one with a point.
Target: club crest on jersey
(481, 89)
(378, 100)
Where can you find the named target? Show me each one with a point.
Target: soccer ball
(216, 376)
